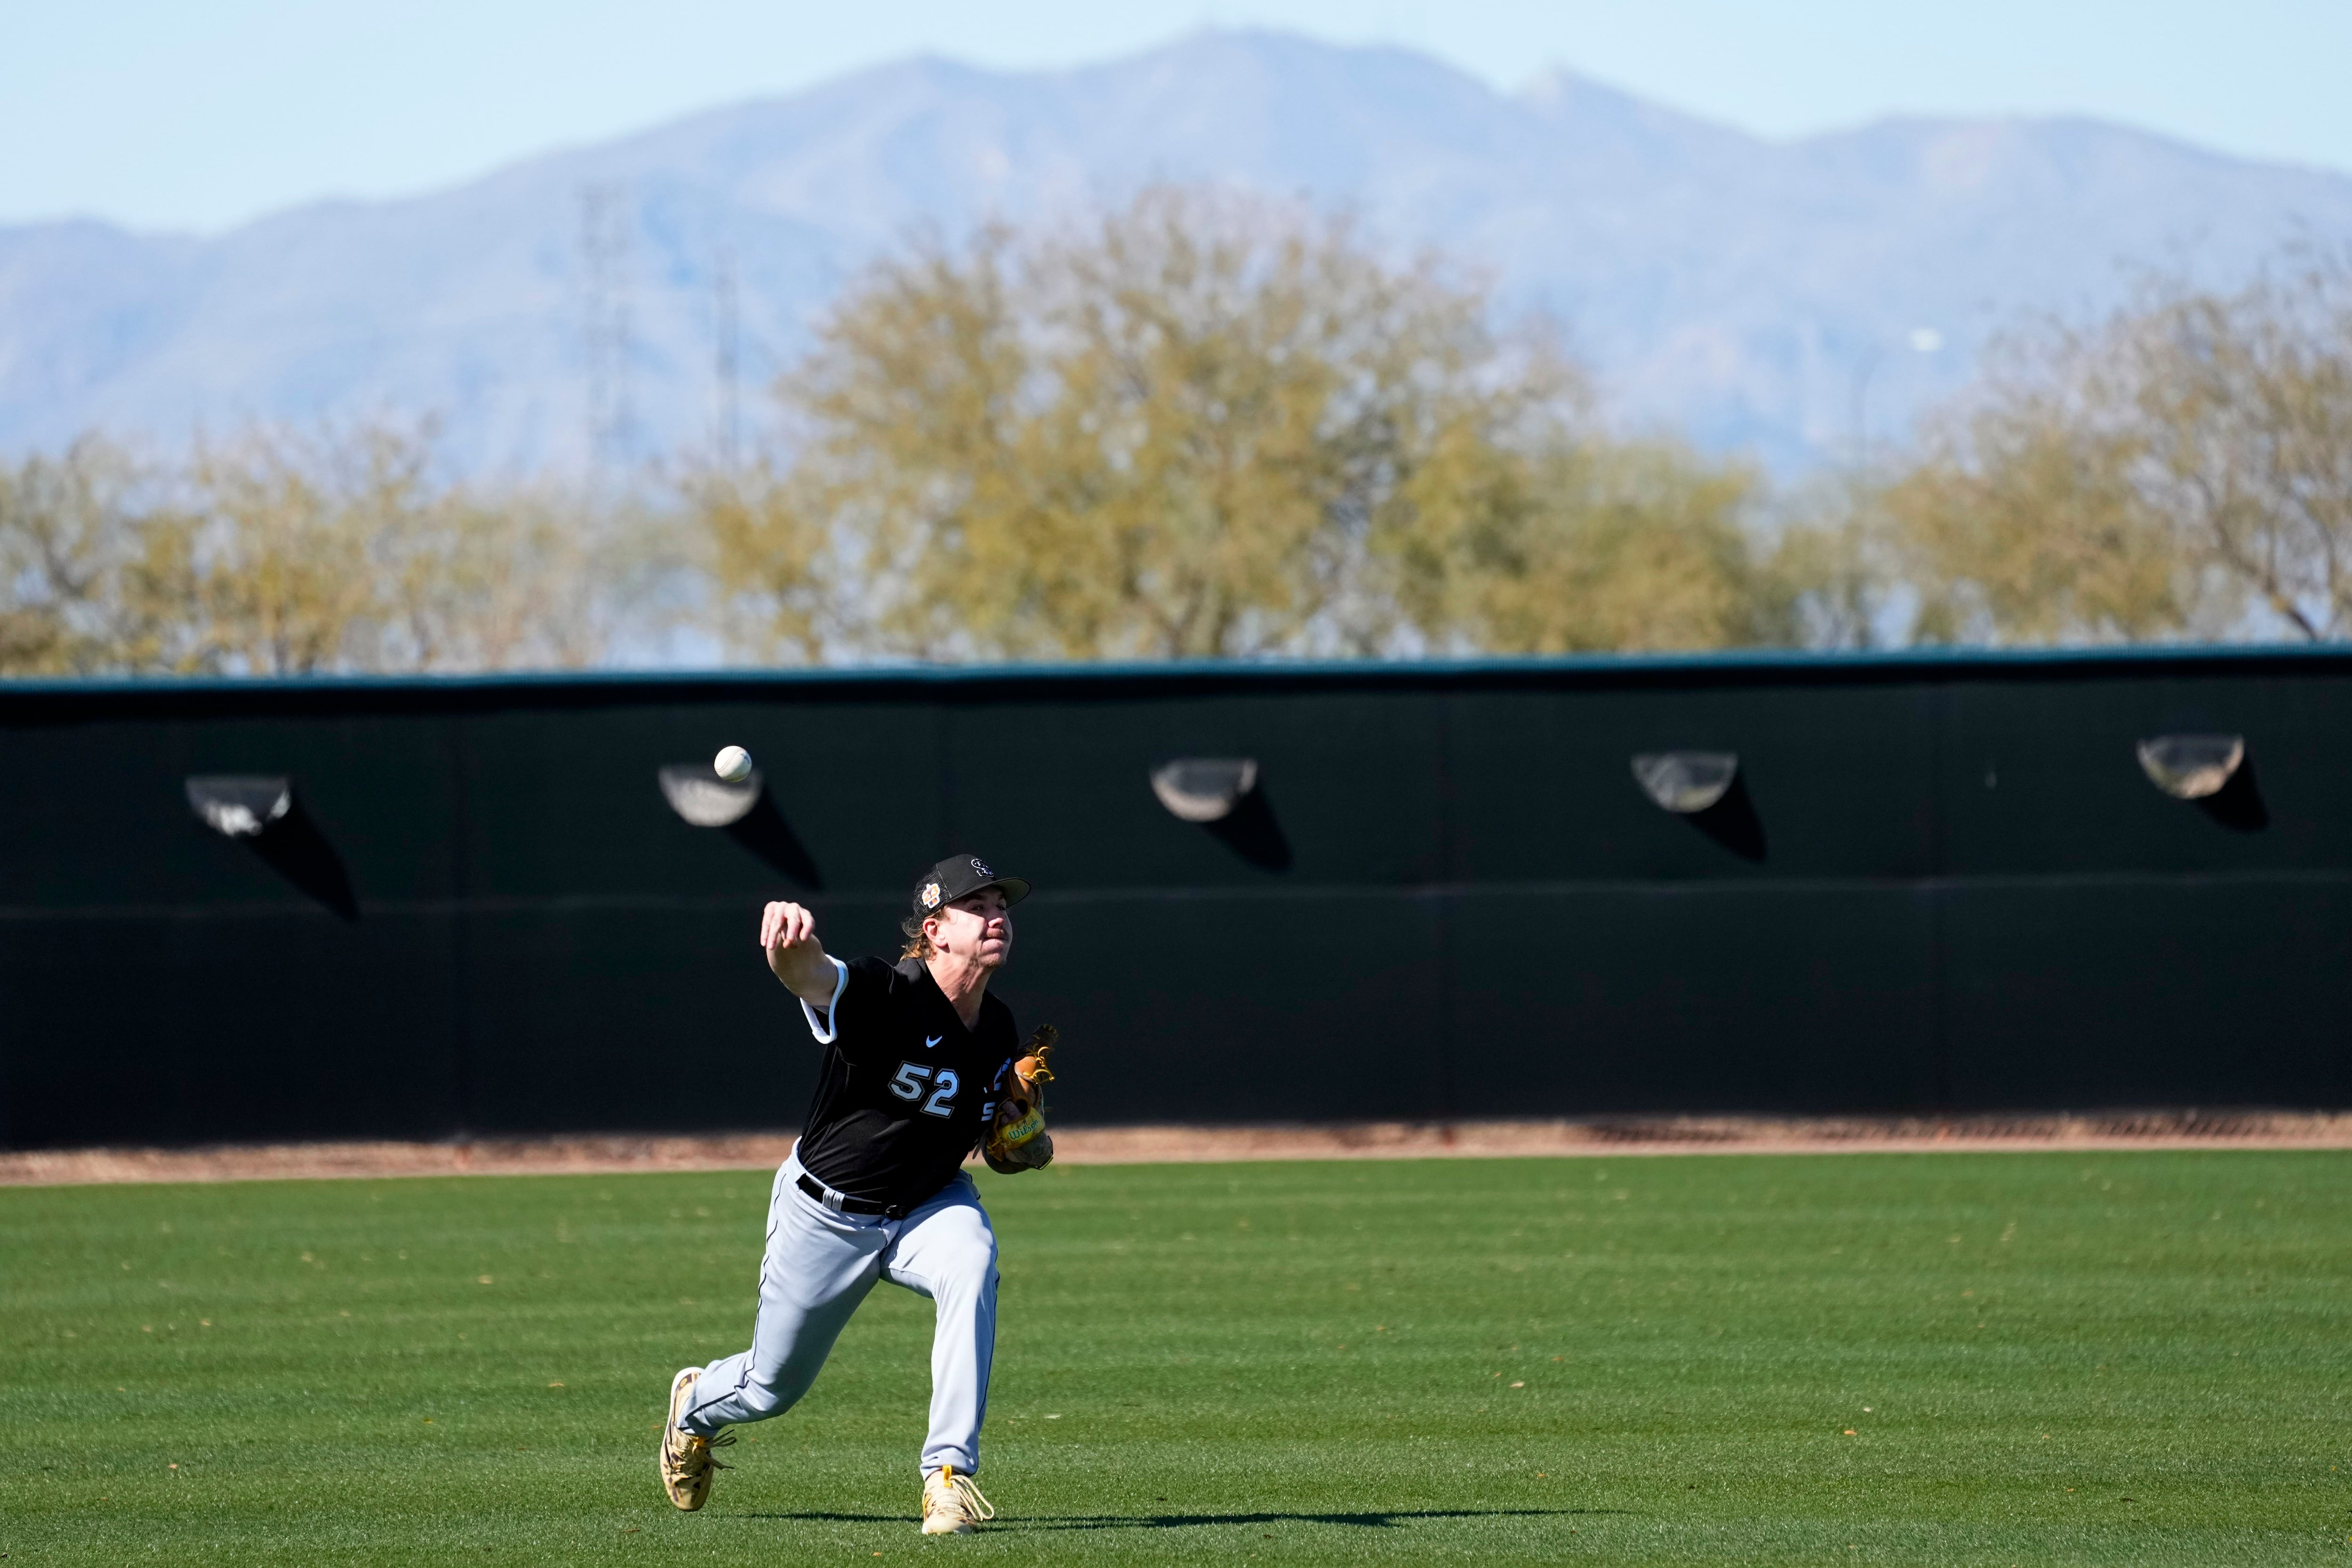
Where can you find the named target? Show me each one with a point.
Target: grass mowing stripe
(2002, 1358)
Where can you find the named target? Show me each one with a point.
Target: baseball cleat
(952, 1504)
(686, 1462)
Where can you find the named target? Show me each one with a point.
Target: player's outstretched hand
(788, 937)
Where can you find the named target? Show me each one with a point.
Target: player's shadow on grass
(1386, 1520)
(1381, 1520)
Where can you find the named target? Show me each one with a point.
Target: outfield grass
(1908, 1358)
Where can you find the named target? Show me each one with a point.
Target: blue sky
(201, 113)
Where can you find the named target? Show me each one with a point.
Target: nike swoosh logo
(931, 1040)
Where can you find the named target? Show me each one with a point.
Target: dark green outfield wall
(1952, 889)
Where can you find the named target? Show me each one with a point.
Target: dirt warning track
(589, 1153)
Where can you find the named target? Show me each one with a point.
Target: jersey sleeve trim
(825, 1031)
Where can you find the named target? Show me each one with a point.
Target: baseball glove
(1017, 1139)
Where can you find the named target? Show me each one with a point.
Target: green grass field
(1907, 1358)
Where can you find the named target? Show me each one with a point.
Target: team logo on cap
(931, 896)
(981, 866)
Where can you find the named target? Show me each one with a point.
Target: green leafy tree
(1208, 427)
(1587, 546)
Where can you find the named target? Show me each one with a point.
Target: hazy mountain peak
(1757, 294)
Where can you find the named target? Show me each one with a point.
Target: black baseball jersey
(907, 1090)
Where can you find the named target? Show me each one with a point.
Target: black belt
(842, 1203)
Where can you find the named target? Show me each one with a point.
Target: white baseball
(732, 764)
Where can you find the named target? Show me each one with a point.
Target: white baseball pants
(818, 1267)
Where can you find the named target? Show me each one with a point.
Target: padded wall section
(2203, 991)
(1940, 883)
(1702, 997)
(213, 1026)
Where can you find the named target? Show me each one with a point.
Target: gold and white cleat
(952, 1504)
(686, 1462)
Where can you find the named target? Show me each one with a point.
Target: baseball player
(921, 1064)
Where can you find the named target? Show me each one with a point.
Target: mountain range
(1788, 299)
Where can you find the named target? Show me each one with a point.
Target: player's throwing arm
(921, 1066)
(788, 937)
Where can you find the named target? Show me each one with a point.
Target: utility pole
(1864, 367)
(1922, 340)
(727, 359)
(604, 283)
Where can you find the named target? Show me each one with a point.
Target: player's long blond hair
(919, 940)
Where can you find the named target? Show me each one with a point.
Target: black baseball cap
(959, 876)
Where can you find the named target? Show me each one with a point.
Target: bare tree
(296, 552)
(2182, 470)
(94, 570)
